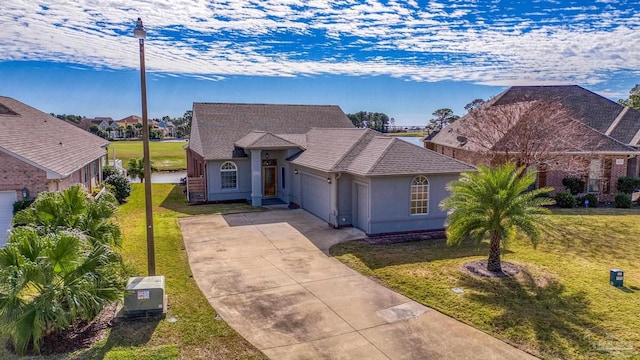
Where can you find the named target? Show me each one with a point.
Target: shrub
(58, 295)
(119, 186)
(108, 171)
(623, 201)
(565, 200)
(628, 184)
(574, 185)
(58, 266)
(21, 205)
(593, 200)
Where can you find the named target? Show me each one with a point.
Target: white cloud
(462, 40)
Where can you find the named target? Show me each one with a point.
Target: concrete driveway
(269, 276)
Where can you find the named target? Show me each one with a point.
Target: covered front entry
(269, 178)
(315, 195)
(7, 198)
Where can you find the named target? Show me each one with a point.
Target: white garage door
(7, 198)
(315, 196)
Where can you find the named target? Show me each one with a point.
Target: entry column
(256, 177)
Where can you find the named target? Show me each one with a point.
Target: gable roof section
(216, 127)
(46, 142)
(264, 140)
(368, 153)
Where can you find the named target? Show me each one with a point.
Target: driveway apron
(269, 276)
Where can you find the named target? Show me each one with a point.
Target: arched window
(229, 175)
(419, 195)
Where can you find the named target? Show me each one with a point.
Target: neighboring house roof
(216, 127)
(131, 119)
(46, 142)
(366, 152)
(593, 116)
(585, 106)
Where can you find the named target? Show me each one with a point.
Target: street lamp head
(139, 32)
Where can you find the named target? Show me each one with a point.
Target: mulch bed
(437, 236)
(79, 336)
(479, 268)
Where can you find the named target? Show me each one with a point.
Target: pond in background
(164, 177)
(412, 139)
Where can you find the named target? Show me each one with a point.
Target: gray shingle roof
(398, 157)
(585, 106)
(45, 141)
(368, 153)
(328, 147)
(217, 126)
(627, 127)
(595, 112)
(264, 140)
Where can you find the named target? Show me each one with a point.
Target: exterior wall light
(25, 193)
(266, 155)
(295, 171)
(328, 180)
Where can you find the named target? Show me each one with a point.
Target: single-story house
(39, 152)
(313, 157)
(597, 140)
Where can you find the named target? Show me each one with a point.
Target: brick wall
(617, 166)
(16, 175)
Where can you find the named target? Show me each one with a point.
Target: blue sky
(404, 58)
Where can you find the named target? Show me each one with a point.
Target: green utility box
(144, 295)
(616, 277)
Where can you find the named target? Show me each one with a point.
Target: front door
(269, 181)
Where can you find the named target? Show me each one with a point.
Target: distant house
(39, 152)
(312, 157)
(131, 123)
(601, 136)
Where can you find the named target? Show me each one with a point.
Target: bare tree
(531, 133)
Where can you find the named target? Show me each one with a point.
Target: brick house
(39, 152)
(600, 136)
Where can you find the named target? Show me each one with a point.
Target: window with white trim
(419, 195)
(595, 175)
(228, 175)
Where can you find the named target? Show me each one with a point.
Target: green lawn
(560, 307)
(196, 334)
(166, 155)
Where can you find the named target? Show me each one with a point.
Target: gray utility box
(616, 277)
(144, 296)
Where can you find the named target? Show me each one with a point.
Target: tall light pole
(140, 33)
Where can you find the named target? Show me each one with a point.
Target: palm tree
(47, 283)
(58, 266)
(129, 131)
(494, 204)
(73, 209)
(135, 168)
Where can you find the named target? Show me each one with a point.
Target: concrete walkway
(268, 275)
